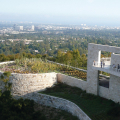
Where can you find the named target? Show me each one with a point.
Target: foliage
(76, 73)
(72, 58)
(5, 78)
(7, 73)
(11, 109)
(104, 73)
(52, 42)
(18, 56)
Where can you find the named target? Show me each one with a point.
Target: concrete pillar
(92, 75)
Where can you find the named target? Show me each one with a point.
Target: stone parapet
(58, 103)
(71, 81)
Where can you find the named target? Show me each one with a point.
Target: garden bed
(34, 65)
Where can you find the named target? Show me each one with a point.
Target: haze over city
(90, 12)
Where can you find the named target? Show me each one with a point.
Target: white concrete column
(92, 75)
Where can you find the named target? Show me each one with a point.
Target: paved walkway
(107, 69)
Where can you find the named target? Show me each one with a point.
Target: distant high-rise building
(32, 27)
(21, 27)
(18, 27)
(14, 26)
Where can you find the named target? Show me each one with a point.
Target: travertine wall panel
(71, 81)
(27, 83)
(107, 48)
(104, 92)
(92, 75)
(114, 87)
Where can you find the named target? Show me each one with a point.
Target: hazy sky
(62, 11)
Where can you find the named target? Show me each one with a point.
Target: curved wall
(59, 103)
(27, 83)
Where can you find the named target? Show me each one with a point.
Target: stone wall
(113, 92)
(57, 102)
(104, 92)
(112, 49)
(71, 81)
(114, 87)
(27, 83)
(114, 84)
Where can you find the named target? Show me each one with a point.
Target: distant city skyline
(90, 12)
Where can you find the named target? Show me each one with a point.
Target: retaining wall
(27, 83)
(59, 103)
(72, 81)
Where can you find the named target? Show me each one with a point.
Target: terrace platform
(108, 69)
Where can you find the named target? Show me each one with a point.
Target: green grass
(95, 107)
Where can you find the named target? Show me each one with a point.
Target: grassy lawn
(95, 107)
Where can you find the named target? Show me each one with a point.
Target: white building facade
(94, 54)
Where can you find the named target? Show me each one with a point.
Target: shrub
(7, 73)
(11, 109)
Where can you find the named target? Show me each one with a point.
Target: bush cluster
(4, 57)
(12, 109)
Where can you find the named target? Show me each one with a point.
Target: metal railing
(110, 67)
